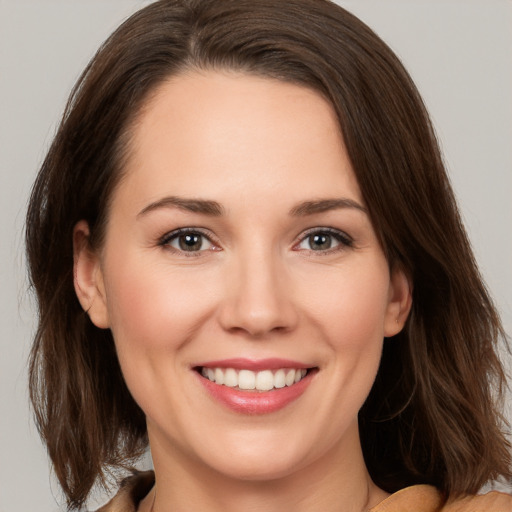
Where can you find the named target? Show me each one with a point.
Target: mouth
(255, 387)
(249, 380)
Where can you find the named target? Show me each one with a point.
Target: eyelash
(166, 240)
(342, 238)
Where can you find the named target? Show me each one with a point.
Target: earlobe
(88, 277)
(400, 302)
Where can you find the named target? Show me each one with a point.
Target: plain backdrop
(458, 52)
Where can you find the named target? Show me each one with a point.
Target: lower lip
(256, 402)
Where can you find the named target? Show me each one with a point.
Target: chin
(257, 469)
(264, 459)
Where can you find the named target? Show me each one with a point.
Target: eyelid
(345, 240)
(165, 240)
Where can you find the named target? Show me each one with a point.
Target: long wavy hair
(433, 414)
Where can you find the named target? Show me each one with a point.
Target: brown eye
(191, 242)
(320, 241)
(188, 241)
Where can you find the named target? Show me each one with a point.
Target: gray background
(458, 52)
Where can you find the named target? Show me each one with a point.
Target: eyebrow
(214, 209)
(324, 205)
(206, 207)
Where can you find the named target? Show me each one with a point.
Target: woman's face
(239, 253)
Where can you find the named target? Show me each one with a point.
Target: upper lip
(240, 363)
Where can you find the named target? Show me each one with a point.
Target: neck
(338, 481)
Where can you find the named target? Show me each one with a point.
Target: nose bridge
(259, 298)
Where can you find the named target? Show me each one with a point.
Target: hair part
(431, 416)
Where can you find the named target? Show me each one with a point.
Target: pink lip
(255, 402)
(254, 365)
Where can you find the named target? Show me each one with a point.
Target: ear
(88, 277)
(400, 302)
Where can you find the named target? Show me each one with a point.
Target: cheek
(353, 313)
(351, 319)
(152, 308)
(154, 314)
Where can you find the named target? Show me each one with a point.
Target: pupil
(190, 242)
(320, 241)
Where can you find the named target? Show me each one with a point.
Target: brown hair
(431, 416)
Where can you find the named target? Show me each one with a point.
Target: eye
(187, 240)
(321, 240)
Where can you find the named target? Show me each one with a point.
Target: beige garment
(418, 498)
(425, 498)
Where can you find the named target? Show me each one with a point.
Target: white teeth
(246, 379)
(219, 376)
(290, 377)
(279, 379)
(264, 380)
(230, 378)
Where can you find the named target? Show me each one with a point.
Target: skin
(257, 288)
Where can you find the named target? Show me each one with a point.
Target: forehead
(210, 132)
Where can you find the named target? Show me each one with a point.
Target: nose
(259, 297)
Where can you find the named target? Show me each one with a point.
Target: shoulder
(131, 491)
(493, 502)
(418, 498)
(425, 498)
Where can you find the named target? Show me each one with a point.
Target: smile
(255, 387)
(248, 380)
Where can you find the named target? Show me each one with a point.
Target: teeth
(290, 377)
(264, 380)
(248, 380)
(279, 379)
(230, 378)
(219, 376)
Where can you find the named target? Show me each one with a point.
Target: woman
(266, 275)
